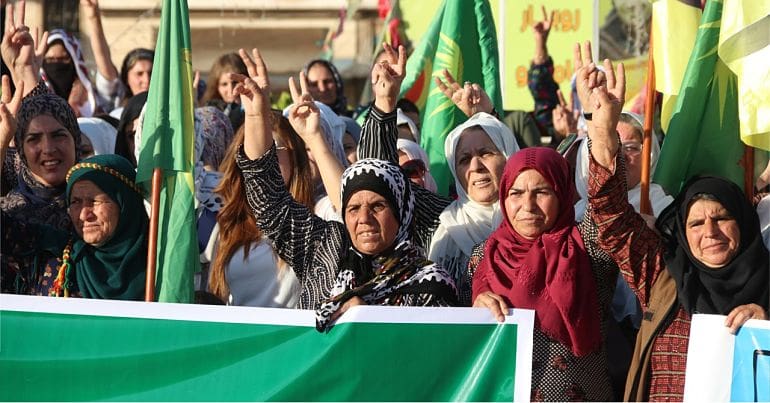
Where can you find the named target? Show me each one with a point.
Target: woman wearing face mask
(64, 71)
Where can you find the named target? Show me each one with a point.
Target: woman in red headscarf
(540, 259)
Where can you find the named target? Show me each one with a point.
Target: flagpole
(649, 104)
(152, 248)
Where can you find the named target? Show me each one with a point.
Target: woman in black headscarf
(326, 85)
(124, 142)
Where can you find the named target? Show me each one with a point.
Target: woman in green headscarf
(104, 257)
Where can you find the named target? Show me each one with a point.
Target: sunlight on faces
(413, 174)
(139, 76)
(321, 84)
(531, 205)
(371, 222)
(94, 214)
(49, 149)
(225, 87)
(712, 233)
(479, 165)
(631, 144)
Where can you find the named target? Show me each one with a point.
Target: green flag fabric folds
(76, 349)
(461, 39)
(168, 144)
(703, 136)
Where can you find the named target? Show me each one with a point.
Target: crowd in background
(303, 208)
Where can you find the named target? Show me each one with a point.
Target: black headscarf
(131, 112)
(744, 280)
(340, 106)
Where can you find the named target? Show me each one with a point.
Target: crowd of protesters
(305, 209)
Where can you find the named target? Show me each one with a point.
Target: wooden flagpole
(649, 105)
(152, 247)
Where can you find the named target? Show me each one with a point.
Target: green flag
(168, 144)
(703, 136)
(461, 39)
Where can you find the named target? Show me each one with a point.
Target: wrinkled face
(94, 214)
(531, 205)
(57, 53)
(139, 76)
(321, 84)
(49, 149)
(225, 85)
(631, 144)
(371, 223)
(351, 148)
(479, 166)
(712, 233)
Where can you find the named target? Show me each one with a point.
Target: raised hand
(387, 76)
(564, 121)
(17, 45)
(254, 90)
(254, 93)
(9, 106)
(588, 76)
(304, 115)
(541, 29)
(608, 99)
(469, 98)
(91, 8)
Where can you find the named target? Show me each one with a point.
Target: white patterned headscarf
(387, 180)
(464, 223)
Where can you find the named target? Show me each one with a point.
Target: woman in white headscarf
(476, 161)
(100, 134)
(630, 130)
(412, 152)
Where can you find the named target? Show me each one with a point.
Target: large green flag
(703, 136)
(461, 39)
(168, 144)
(101, 350)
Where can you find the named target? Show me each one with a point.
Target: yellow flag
(744, 46)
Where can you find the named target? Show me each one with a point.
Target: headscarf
(131, 112)
(101, 134)
(415, 152)
(340, 106)
(332, 128)
(116, 269)
(213, 133)
(658, 197)
(72, 45)
(32, 201)
(551, 274)
(402, 119)
(465, 223)
(400, 269)
(743, 280)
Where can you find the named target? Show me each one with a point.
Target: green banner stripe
(56, 357)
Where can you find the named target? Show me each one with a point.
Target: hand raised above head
(387, 76)
(304, 115)
(541, 29)
(9, 106)
(254, 90)
(608, 99)
(587, 75)
(564, 121)
(470, 98)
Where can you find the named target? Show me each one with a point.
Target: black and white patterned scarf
(402, 270)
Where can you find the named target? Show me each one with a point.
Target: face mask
(61, 76)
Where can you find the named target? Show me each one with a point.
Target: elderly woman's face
(712, 233)
(49, 149)
(94, 214)
(531, 205)
(371, 223)
(479, 166)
